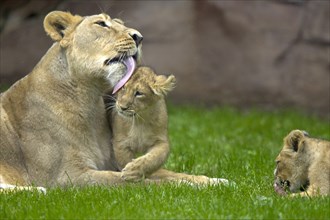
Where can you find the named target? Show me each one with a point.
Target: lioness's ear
(294, 139)
(59, 25)
(163, 85)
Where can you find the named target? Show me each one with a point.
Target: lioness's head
(291, 171)
(143, 91)
(97, 45)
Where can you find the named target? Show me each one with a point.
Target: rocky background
(266, 54)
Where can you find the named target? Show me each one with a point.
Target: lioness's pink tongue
(130, 66)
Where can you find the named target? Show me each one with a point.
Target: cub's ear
(294, 139)
(163, 85)
(59, 25)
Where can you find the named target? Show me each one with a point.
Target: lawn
(217, 142)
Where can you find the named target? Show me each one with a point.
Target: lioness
(303, 164)
(139, 124)
(54, 127)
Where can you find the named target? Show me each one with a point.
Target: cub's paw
(131, 173)
(131, 176)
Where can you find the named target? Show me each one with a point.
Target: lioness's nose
(137, 37)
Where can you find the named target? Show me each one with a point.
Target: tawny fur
(305, 163)
(139, 123)
(54, 127)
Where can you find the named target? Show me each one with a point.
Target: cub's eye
(138, 94)
(101, 23)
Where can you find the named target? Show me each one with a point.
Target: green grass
(218, 142)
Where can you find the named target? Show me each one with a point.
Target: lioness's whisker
(122, 56)
(107, 108)
(110, 97)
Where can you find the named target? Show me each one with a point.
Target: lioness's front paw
(218, 181)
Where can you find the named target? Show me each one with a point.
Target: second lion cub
(139, 124)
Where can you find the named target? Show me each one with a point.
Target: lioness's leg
(167, 175)
(11, 180)
(94, 177)
(91, 177)
(14, 188)
(11, 175)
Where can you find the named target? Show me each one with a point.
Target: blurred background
(269, 54)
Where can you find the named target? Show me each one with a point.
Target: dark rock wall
(269, 54)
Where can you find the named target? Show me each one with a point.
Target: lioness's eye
(138, 93)
(101, 23)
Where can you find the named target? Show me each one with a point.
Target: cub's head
(142, 92)
(292, 164)
(94, 46)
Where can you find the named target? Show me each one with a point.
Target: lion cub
(139, 124)
(303, 164)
